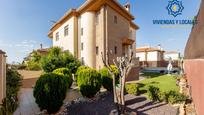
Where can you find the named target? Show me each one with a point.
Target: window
(96, 50)
(130, 46)
(82, 60)
(82, 46)
(57, 36)
(116, 49)
(82, 31)
(130, 34)
(115, 19)
(66, 30)
(97, 17)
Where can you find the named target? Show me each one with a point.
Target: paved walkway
(27, 105)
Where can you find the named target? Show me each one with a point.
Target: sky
(24, 24)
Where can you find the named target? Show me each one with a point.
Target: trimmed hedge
(50, 91)
(66, 73)
(89, 82)
(132, 88)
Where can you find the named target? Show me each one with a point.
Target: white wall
(151, 56)
(141, 56)
(65, 42)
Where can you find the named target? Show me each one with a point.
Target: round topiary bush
(107, 80)
(50, 91)
(67, 74)
(89, 82)
(81, 68)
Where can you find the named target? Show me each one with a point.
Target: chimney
(41, 46)
(127, 6)
(159, 47)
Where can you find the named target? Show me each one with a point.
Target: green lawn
(163, 82)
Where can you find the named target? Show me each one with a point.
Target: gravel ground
(103, 104)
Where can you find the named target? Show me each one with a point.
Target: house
(2, 75)
(150, 56)
(194, 61)
(97, 26)
(173, 55)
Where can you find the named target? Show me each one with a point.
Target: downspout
(76, 36)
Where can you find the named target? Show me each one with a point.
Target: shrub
(79, 70)
(13, 83)
(89, 82)
(66, 73)
(132, 88)
(163, 96)
(176, 97)
(50, 91)
(107, 80)
(153, 93)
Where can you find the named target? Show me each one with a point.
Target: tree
(34, 62)
(56, 58)
(71, 62)
(36, 56)
(124, 65)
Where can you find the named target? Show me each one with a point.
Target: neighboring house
(98, 26)
(194, 61)
(173, 55)
(2, 75)
(150, 56)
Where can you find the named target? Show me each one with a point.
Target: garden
(62, 72)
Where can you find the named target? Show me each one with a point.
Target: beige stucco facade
(98, 26)
(2, 75)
